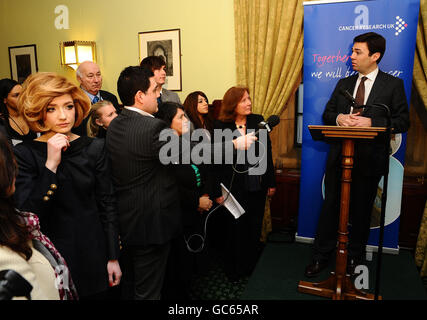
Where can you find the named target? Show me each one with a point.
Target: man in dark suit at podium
(369, 88)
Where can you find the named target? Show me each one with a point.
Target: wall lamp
(75, 52)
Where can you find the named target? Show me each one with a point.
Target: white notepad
(231, 203)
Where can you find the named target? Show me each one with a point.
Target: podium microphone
(349, 97)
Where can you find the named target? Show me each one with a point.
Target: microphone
(349, 97)
(12, 284)
(271, 122)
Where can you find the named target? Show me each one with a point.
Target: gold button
(49, 193)
(53, 186)
(46, 198)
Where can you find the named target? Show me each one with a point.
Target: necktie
(95, 99)
(360, 95)
(159, 99)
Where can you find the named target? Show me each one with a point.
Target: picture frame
(23, 62)
(168, 44)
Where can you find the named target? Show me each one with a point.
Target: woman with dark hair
(12, 123)
(196, 106)
(194, 188)
(65, 180)
(23, 248)
(242, 244)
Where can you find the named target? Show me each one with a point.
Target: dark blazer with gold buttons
(75, 205)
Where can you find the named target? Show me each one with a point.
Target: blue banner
(329, 29)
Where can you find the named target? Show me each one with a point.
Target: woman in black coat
(194, 191)
(64, 179)
(242, 235)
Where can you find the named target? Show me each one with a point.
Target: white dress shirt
(139, 111)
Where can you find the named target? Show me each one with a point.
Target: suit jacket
(147, 193)
(369, 157)
(105, 95)
(170, 96)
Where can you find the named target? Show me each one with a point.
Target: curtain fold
(420, 58)
(269, 51)
(420, 82)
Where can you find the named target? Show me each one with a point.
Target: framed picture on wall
(23, 62)
(166, 43)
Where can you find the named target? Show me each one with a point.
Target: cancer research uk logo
(361, 22)
(400, 25)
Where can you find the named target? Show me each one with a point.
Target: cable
(251, 167)
(203, 237)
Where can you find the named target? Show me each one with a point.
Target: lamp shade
(75, 52)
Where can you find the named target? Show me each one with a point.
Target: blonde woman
(100, 116)
(65, 180)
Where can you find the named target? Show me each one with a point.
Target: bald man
(89, 76)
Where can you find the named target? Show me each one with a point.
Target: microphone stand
(383, 201)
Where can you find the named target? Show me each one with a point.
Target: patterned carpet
(214, 284)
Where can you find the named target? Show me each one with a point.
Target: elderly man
(89, 76)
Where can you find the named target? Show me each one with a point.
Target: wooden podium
(339, 286)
